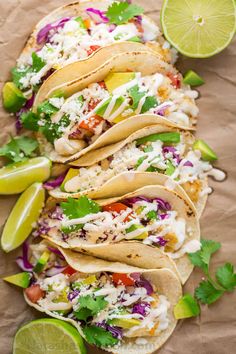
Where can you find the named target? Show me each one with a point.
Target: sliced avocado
(193, 79)
(102, 109)
(206, 152)
(42, 261)
(20, 279)
(114, 80)
(170, 168)
(81, 22)
(186, 307)
(167, 138)
(142, 236)
(13, 98)
(70, 174)
(124, 322)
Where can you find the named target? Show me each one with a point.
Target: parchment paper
(215, 331)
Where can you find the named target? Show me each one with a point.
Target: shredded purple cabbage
(188, 163)
(72, 295)
(42, 228)
(44, 34)
(164, 216)
(141, 308)
(131, 201)
(23, 261)
(55, 182)
(114, 330)
(135, 276)
(144, 283)
(161, 110)
(162, 204)
(55, 270)
(56, 214)
(160, 241)
(173, 151)
(56, 251)
(96, 15)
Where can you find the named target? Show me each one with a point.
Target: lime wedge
(186, 307)
(193, 79)
(48, 336)
(20, 279)
(207, 153)
(23, 215)
(199, 28)
(17, 177)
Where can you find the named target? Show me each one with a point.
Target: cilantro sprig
(41, 121)
(89, 306)
(121, 12)
(18, 149)
(99, 336)
(213, 287)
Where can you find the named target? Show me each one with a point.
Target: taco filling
(71, 125)
(73, 38)
(167, 153)
(83, 222)
(109, 307)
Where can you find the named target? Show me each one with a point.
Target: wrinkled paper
(214, 332)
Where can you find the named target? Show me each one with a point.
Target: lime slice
(23, 215)
(48, 336)
(199, 28)
(193, 79)
(186, 307)
(207, 153)
(16, 178)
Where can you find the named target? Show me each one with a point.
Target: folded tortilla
(165, 284)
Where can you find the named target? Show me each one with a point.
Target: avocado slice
(142, 236)
(13, 98)
(206, 152)
(124, 322)
(70, 174)
(19, 279)
(102, 109)
(114, 80)
(186, 307)
(193, 79)
(42, 261)
(167, 138)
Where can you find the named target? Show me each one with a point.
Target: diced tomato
(138, 26)
(122, 279)
(175, 79)
(69, 271)
(92, 104)
(93, 49)
(102, 84)
(91, 123)
(34, 293)
(87, 23)
(118, 208)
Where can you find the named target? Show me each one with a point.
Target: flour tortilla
(165, 281)
(142, 257)
(130, 181)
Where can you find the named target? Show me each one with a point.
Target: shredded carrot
(153, 330)
(87, 23)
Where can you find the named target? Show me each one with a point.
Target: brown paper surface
(215, 331)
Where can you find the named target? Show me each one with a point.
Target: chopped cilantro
(148, 148)
(89, 306)
(37, 63)
(47, 108)
(99, 336)
(140, 161)
(170, 168)
(121, 12)
(18, 74)
(18, 149)
(78, 208)
(150, 102)
(152, 215)
(30, 121)
(136, 96)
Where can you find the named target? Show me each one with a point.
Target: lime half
(199, 28)
(48, 336)
(22, 217)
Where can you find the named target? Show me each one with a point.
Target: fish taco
(140, 159)
(114, 306)
(151, 216)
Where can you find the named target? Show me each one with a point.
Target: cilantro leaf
(136, 96)
(150, 102)
(30, 121)
(121, 12)
(18, 149)
(47, 108)
(197, 261)
(72, 228)
(83, 314)
(226, 276)
(208, 248)
(99, 336)
(18, 74)
(37, 63)
(152, 215)
(94, 304)
(207, 293)
(78, 208)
